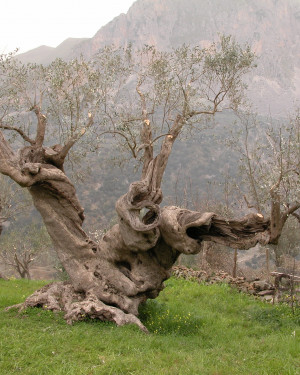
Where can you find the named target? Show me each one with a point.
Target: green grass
(194, 329)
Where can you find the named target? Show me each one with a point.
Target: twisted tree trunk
(109, 279)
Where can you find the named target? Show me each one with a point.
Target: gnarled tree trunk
(109, 279)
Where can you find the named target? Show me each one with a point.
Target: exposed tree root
(77, 306)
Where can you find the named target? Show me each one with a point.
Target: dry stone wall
(263, 289)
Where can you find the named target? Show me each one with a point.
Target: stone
(261, 285)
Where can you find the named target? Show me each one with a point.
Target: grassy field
(194, 329)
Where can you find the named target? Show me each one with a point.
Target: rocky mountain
(271, 27)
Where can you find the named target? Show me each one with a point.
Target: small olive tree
(22, 247)
(269, 168)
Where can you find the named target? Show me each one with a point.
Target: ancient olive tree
(144, 101)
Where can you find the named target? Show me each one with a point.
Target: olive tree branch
(19, 131)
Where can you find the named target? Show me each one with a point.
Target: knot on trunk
(139, 216)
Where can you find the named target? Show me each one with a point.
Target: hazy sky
(27, 24)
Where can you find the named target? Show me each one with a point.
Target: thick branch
(32, 173)
(146, 133)
(41, 126)
(184, 230)
(162, 158)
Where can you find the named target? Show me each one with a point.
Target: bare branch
(165, 151)
(297, 216)
(249, 205)
(19, 131)
(132, 148)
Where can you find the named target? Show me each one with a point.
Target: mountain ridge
(46, 54)
(271, 27)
